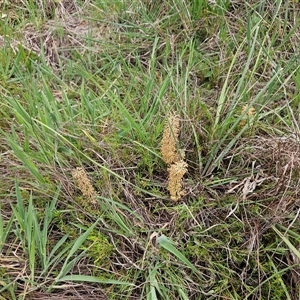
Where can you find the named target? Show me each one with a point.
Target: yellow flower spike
(173, 156)
(170, 140)
(248, 116)
(84, 184)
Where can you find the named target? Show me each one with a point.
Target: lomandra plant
(173, 156)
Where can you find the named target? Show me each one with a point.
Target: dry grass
(66, 28)
(70, 292)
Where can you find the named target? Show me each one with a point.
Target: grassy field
(149, 149)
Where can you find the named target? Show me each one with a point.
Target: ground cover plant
(149, 149)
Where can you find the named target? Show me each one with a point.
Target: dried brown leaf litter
(173, 156)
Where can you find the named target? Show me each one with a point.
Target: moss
(7, 290)
(2, 272)
(99, 250)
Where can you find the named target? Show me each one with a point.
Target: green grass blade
(76, 246)
(287, 242)
(26, 160)
(166, 243)
(92, 279)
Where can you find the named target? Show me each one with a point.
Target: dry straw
(83, 183)
(173, 156)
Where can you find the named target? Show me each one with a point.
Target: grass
(89, 85)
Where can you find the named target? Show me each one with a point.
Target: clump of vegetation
(95, 84)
